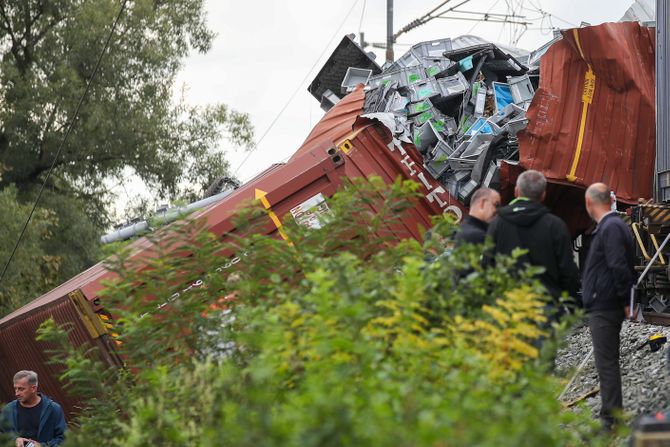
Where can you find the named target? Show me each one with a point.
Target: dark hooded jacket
(472, 231)
(530, 225)
(52, 427)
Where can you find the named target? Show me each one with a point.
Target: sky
(267, 52)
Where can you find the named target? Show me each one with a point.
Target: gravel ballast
(644, 374)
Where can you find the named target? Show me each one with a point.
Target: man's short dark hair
(532, 185)
(481, 194)
(30, 375)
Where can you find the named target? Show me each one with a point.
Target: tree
(129, 119)
(33, 269)
(128, 122)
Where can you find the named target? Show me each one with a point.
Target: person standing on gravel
(608, 276)
(526, 223)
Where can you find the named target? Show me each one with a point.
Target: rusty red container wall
(319, 170)
(19, 350)
(619, 140)
(374, 153)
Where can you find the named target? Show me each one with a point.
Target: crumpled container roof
(336, 124)
(618, 140)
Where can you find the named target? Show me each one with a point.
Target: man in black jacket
(526, 223)
(483, 209)
(607, 279)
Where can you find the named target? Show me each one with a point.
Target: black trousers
(605, 327)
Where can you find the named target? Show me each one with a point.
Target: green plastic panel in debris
(425, 116)
(465, 125)
(420, 107)
(413, 77)
(439, 125)
(432, 71)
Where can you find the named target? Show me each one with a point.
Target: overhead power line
(297, 89)
(426, 18)
(64, 140)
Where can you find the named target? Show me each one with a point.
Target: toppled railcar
(342, 146)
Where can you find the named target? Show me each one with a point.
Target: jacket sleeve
(59, 427)
(568, 271)
(615, 256)
(7, 421)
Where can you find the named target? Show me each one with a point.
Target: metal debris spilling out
(463, 108)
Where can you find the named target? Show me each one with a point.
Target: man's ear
(544, 196)
(517, 193)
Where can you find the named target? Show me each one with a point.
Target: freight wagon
(342, 146)
(584, 86)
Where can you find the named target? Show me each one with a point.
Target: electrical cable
(65, 137)
(420, 21)
(360, 23)
(541, 11)
(295, 92)
(475, 25)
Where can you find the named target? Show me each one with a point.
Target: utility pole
(389, 31)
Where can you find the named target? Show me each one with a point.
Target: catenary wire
(64, 140)
(295, 92)
(476, 24)
(360, 23)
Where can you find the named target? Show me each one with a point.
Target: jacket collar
(476, 222)
(603, 219)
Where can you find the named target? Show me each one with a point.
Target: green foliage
(129, 119)
(128, 123)
(345, 336)
(33, 269)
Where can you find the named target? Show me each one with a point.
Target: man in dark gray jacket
(526, 223)
(483, 209)
(607, 278)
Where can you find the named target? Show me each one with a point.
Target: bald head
(599, 193)
(484, 204)
(598, 201)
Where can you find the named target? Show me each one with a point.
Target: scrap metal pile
(462, 108)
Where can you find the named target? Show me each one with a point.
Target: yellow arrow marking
(262, 196)
(587, 99)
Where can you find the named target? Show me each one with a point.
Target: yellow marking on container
(262, 196)
(587, 99)
(346, 146)
(350, 137)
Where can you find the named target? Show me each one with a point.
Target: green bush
(345, 336)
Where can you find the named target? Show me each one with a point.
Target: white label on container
(309, 211)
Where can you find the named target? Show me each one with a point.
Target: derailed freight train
(451, 115)
(299, 187)
(581, 109)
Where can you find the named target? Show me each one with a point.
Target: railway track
(660, 319)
